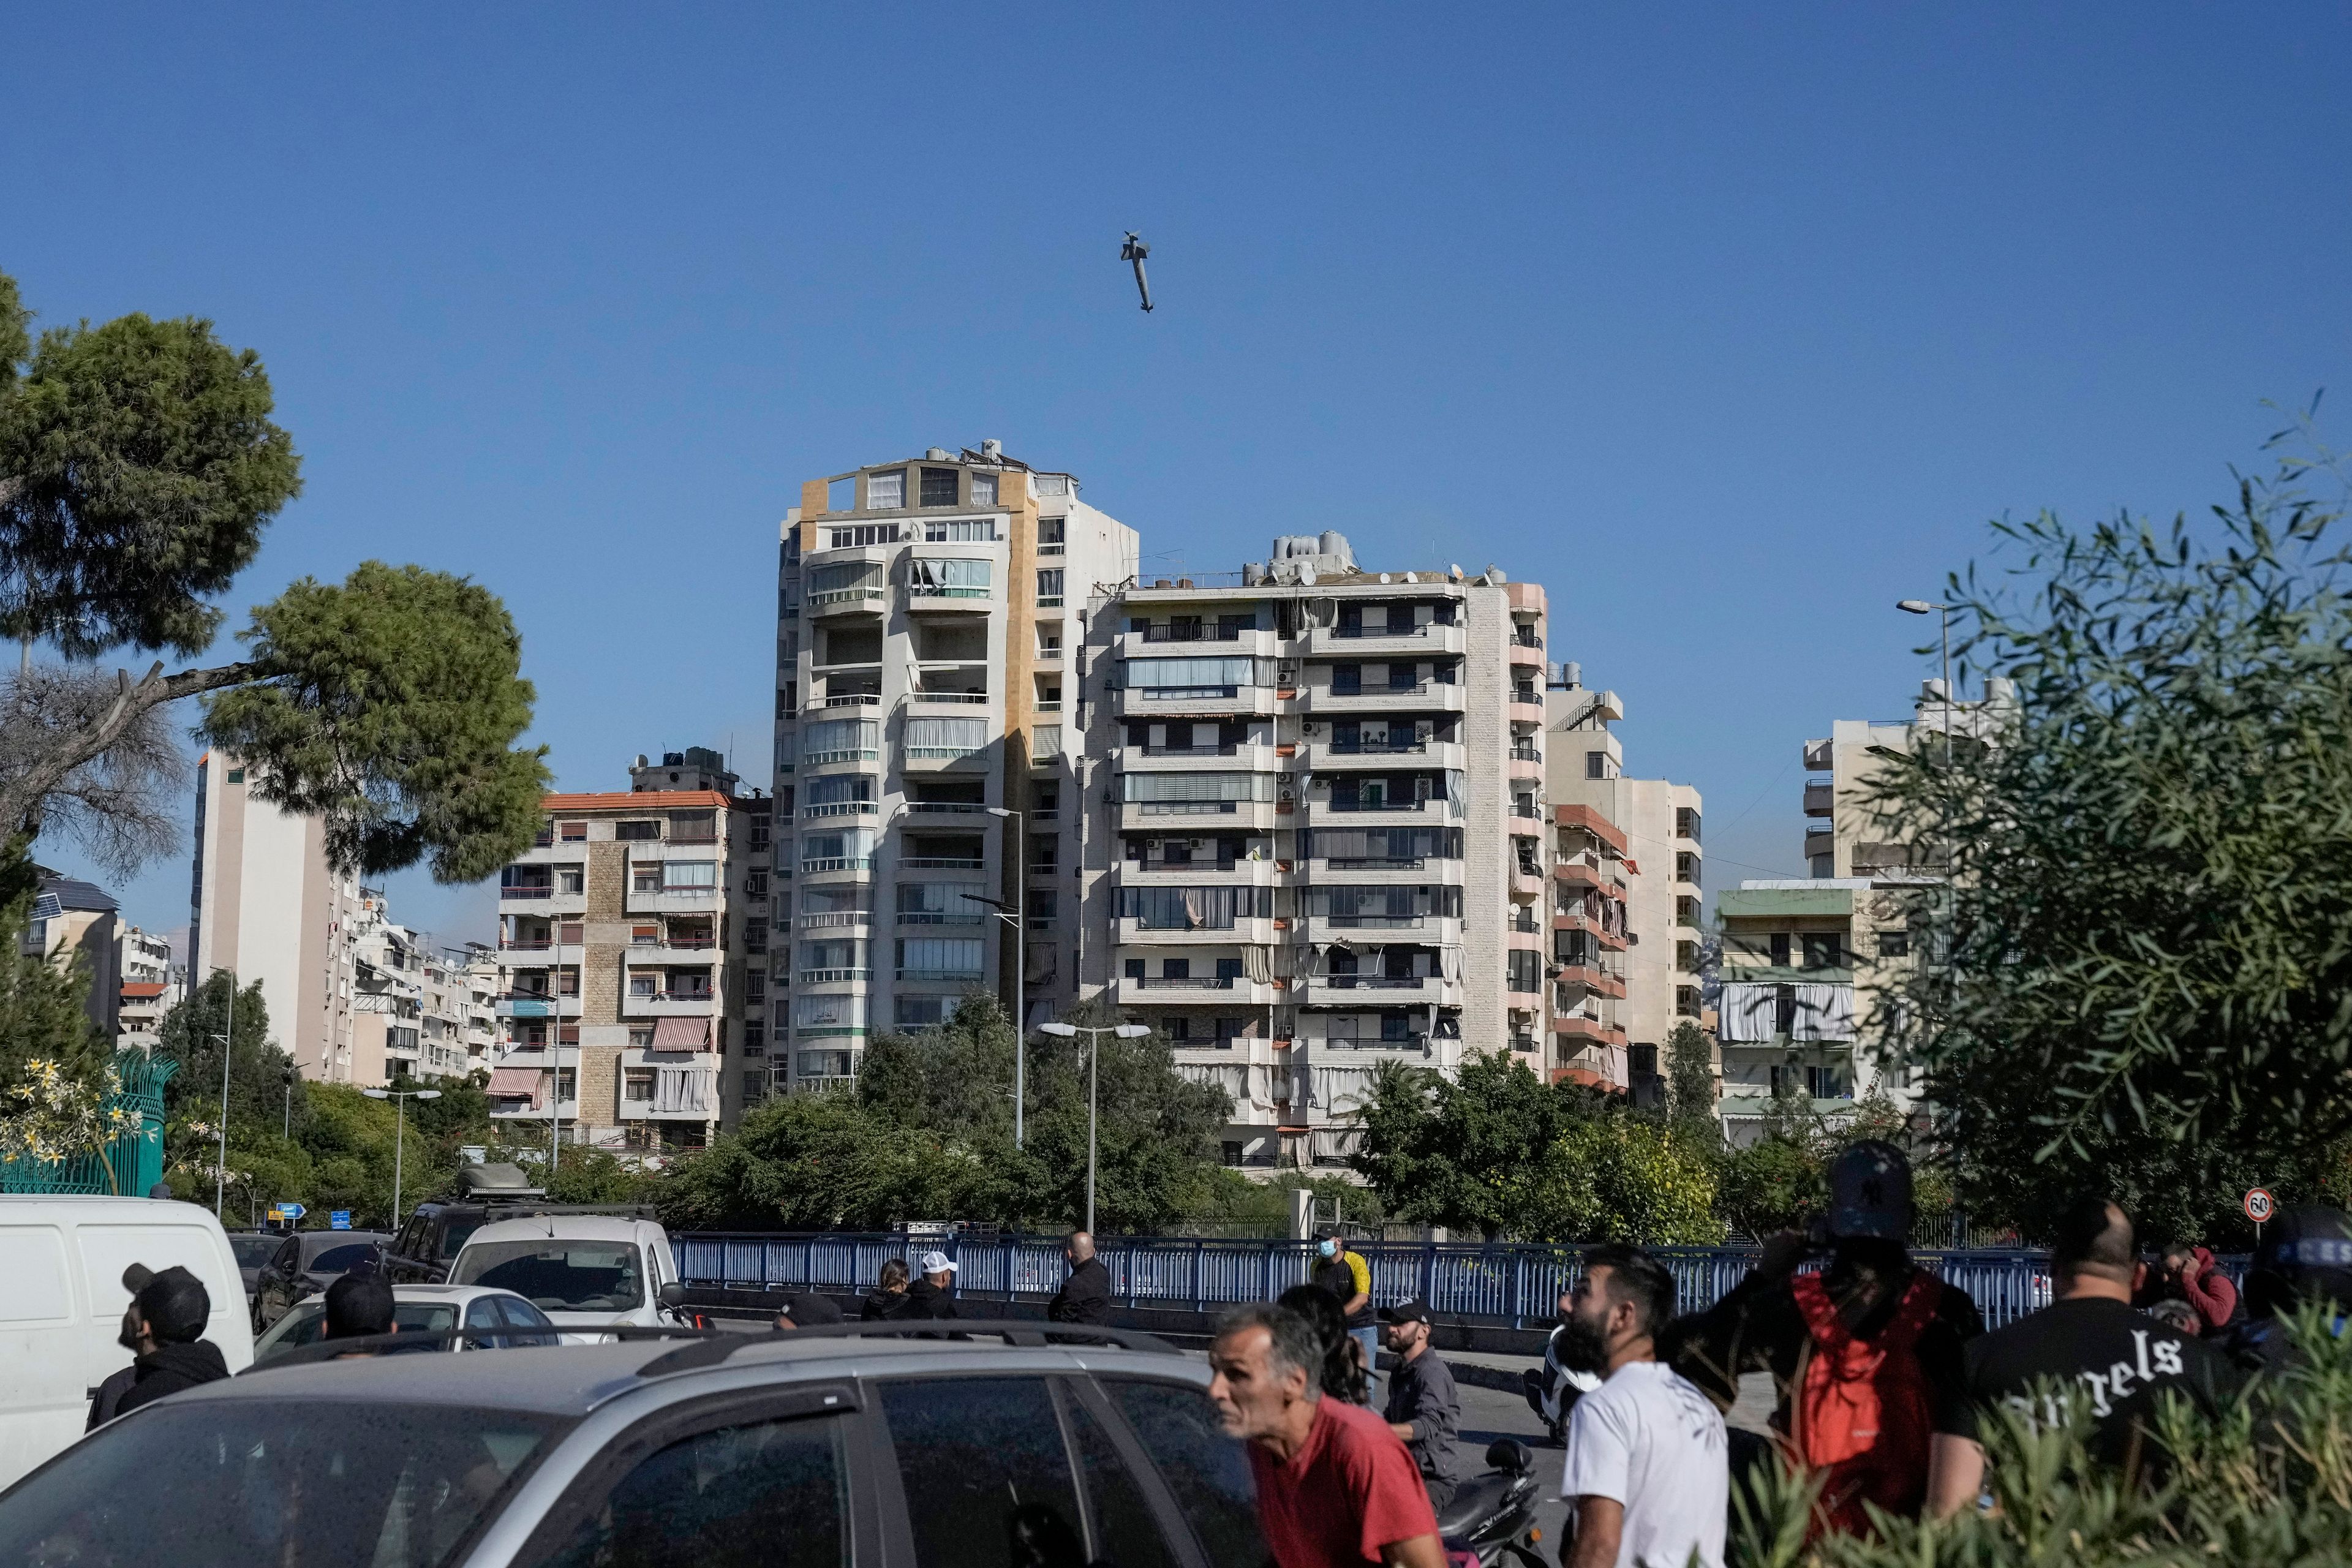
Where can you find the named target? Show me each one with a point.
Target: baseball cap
(811, 1308)
(173, 1301)
(1870, 1193)
(935, 1263)
(1411, 1311)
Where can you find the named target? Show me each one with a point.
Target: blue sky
(1731, 325)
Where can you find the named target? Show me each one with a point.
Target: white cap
(936, 1263)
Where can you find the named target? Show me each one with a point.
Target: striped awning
(680, 1033)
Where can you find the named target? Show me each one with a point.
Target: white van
(583, 1270)
(61, 1303)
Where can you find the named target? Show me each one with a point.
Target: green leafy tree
(43, 1014)
(138, 467)
(1690, 1083)
(1775, 1183)
(2140, 965)
(259, 1071)
(1619, 1177)
(1456, 1151)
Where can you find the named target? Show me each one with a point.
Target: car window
(768, 1494)
(523, 1315)
(292, 1483)
(340, 1259)
(556, 1275)
(300, 1326)
(1206, 1470)
(484, 1315)
(979, 1460)
(455, 1229)
(254, 1251)
(1126, 1534)
(288, 1253)
(410, 1234)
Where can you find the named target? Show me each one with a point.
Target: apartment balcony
(1210, 872)
(1588, 871)
(1526, 884)
(1575, 1030)
(670, 1005)
(1609, 940)
(948, 699)
(1195, 819)
(568, 1112)
(542, 902)
(1529, 935)
(1205, 991)
(1525, 710)
(644, 953)
(1527, 765)
(1257, 932)
(1820, 756)
(1323, 810)
(1371, 931)
(930, 599)
(1361, 871)
(1165, 642)
(1194, 702)
(825, 870)
(1820, 838)
(707, 848)
(1526, 654)
(1210, 758)
(1427, 641)
(1328, 755)
(535, 1005)
(1367, 991)
(1820, 800)
(672, 902)
(1574, 981)
(1383, 701)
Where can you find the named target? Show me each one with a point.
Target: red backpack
(1862, 1410)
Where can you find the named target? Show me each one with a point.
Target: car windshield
(454, 1232)
(253, 1251)
(316, 1483)
(306, 1323)
(559, 1276)
(340, 1259)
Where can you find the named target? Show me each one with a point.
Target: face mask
(1329, 1249)
(129, 1338)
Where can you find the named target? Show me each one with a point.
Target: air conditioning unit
(1200, 844)
(1286, 672)
(1310, 728)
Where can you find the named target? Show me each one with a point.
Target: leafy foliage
(43, 1006)
(388, 708)
(2144, 980)
(1690, 1082)
(138, 466)
(1456, 1151)
(259, 1072)
(1619, 1177)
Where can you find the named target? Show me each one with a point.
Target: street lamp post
(1927, 607)
(228, 1031)
(1016, 915)
(1094, 1077)
(400, 1099)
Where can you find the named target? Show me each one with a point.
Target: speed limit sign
(2260, 1205)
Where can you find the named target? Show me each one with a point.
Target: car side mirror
(673, 1294)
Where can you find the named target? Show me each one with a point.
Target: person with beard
(165, 1325)
(1867, 1355)
(1647, 1471)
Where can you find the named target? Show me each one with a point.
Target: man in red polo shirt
(1336, 1488)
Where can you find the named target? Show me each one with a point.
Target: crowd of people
(1886, 1376)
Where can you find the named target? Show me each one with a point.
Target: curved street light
(1094, 1075)
(400, 1099)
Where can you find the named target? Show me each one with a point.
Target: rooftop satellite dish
(1307, 575)
(1134, 250)
(1454, 569)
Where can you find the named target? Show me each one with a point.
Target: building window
(755, 1037)
(755, 1086)
(1894, 944)
(983, 489)
(1525, 971)
(1825, 952)
(1229, 1153)
(1049, 586)
(1686, 865)
(574, 832)
(886, 492)
(1045, 854)
(636, 830)
(1045, 904)
(1687, 957)
(960, 531)
(1687, 824)
(637, 1086)
(940, 487)
(1779, 950)
(1599, 765)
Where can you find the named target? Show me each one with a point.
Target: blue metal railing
(1517, 1284)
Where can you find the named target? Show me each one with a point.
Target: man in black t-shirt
(2091, 1340)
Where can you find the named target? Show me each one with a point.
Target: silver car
(855, 1445)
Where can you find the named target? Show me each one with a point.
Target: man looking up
(1334, 1487)
(1648, 1470)
(2119, 1360)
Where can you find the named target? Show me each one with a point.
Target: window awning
(532, 1081)
(680, 1035)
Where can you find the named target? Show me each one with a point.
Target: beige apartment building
(633, 942)
(73, 921)
(1316, 829)
(930, 613)
(264, 903)
(1627, 922)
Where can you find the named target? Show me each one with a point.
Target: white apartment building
(1627, 919)
(634, 942)
(461, 993)
(929, 616)
(1316, 829)
(264, 903)
(151, 989)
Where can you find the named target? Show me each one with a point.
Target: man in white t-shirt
(1646, 1470)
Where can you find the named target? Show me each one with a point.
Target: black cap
(1870, 1193)
(2305, 1254)
(174, 1304)
(810, 1310)
(1413, 1310)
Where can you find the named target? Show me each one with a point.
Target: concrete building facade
(633, 946)
(264, 904)
(73, 923)
(927, 822)
(1316, 829)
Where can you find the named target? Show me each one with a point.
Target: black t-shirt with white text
(2119, 1359)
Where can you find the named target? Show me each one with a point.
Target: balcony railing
(1193, 634)
(842, 808)
(944, 754)
(1526, 754)
(849, 700)
(1379, 748)
(826, 919)
(941, 863)
(1374, 982)
(939, 976)
(1414, 631)
(1211, 750)
(1415, 689)
(1377, 862)
(830, 976)
(1376, 922)
(1224, 865)
(847, 754)
(1360, 805)
(956, 807)
(838, 863)
(1184, 693)
(516, 890)
(1186, 981)
(974, 699)
(938, 918)
(671, 995)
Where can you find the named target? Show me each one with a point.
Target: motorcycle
(1492, 1518)
(1552, 1390)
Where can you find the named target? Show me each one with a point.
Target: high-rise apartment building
(634, 939)
(929, 614)
(1626, 922)
(264, 903)
(1317, 830)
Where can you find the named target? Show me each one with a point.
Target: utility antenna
(1134, 250)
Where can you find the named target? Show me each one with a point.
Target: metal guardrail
(1518, 1284)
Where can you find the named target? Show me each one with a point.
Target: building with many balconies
(633, 942)
(1316, 835)
(926, 816)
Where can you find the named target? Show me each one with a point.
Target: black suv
(425, 1247)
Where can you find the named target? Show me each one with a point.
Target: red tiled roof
(141, 988)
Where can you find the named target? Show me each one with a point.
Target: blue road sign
(339, 1219)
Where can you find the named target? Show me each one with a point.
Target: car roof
(573, 1380)
(320, 1240)
(564, 1227)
